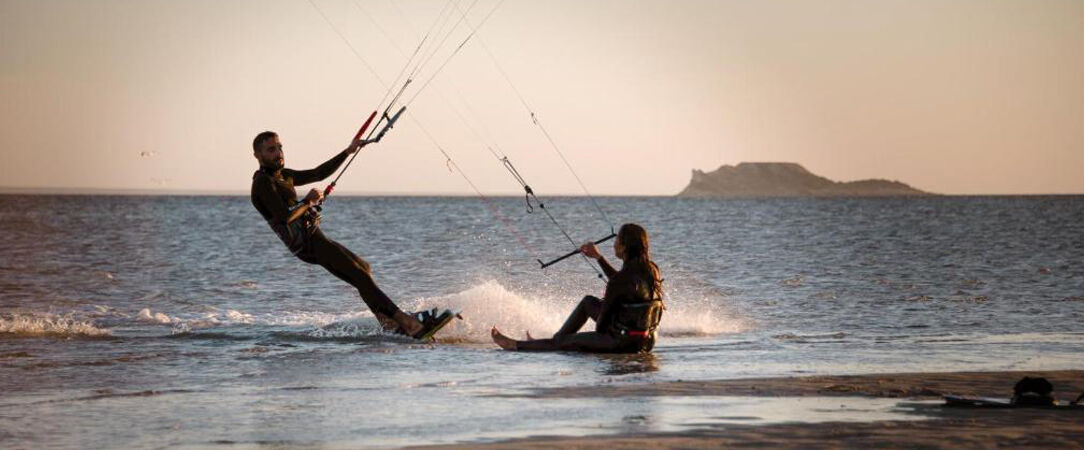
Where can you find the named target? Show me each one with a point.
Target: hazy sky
(960, 97)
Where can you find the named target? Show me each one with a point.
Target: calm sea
(183, 321)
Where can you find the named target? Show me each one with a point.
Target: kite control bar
(361, 132)
(391, 123)
(575, 252)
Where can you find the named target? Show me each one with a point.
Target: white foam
(49, 325)
(347, 329)
(339, 324)
(490, 304)
(703, 317)
(145, 315)
(212, 317)
(235, 316)
(314, 318)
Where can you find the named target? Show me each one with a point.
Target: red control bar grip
(361, 132)
(365, 126)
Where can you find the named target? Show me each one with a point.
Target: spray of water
(490, 304)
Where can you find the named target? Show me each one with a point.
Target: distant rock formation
(785, 180)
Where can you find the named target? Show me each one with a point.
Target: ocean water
(183, 321)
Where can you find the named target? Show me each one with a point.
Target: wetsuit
(627, 320)
(274, 197)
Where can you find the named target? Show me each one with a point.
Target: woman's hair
(638, 256)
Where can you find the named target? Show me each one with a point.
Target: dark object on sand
(1028, 392)
(1033, 392)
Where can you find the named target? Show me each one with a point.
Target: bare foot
(503, 341)
(410, 325)
(386, 323)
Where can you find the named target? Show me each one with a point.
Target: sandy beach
(947, 427)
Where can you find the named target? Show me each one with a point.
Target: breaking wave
(49, 326)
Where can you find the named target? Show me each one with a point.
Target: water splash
(490, 304)
(353, 327)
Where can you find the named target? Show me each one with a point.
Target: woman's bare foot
(503, 341)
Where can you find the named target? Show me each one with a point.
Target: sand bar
(949, 428)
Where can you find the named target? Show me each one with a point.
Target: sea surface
(167, 321)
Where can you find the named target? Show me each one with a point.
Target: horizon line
(10, 190)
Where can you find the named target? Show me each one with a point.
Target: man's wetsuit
(274, 197)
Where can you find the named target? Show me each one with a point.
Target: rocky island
(764, 179)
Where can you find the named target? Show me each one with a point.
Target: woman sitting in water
(627, 317)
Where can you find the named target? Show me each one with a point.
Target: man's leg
(589, 308)
(348, 267)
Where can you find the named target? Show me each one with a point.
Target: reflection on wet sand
(628, 364)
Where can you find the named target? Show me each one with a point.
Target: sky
(953, 97)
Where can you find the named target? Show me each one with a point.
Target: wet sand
(949, 427)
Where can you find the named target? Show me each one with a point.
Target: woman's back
(633, 304)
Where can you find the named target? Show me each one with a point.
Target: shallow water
(182, 321)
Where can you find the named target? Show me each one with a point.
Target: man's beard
(274, 165)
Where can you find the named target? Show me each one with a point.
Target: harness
(295, 235)
(639, 320)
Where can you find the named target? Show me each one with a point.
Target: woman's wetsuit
(274, 197)
(626, 320)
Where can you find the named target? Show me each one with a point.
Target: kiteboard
(434, 321)
(953, 400)
(982, 402)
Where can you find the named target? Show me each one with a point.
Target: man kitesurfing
(297, 224)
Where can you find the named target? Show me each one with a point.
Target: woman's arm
(589, 250)
(606, 267)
